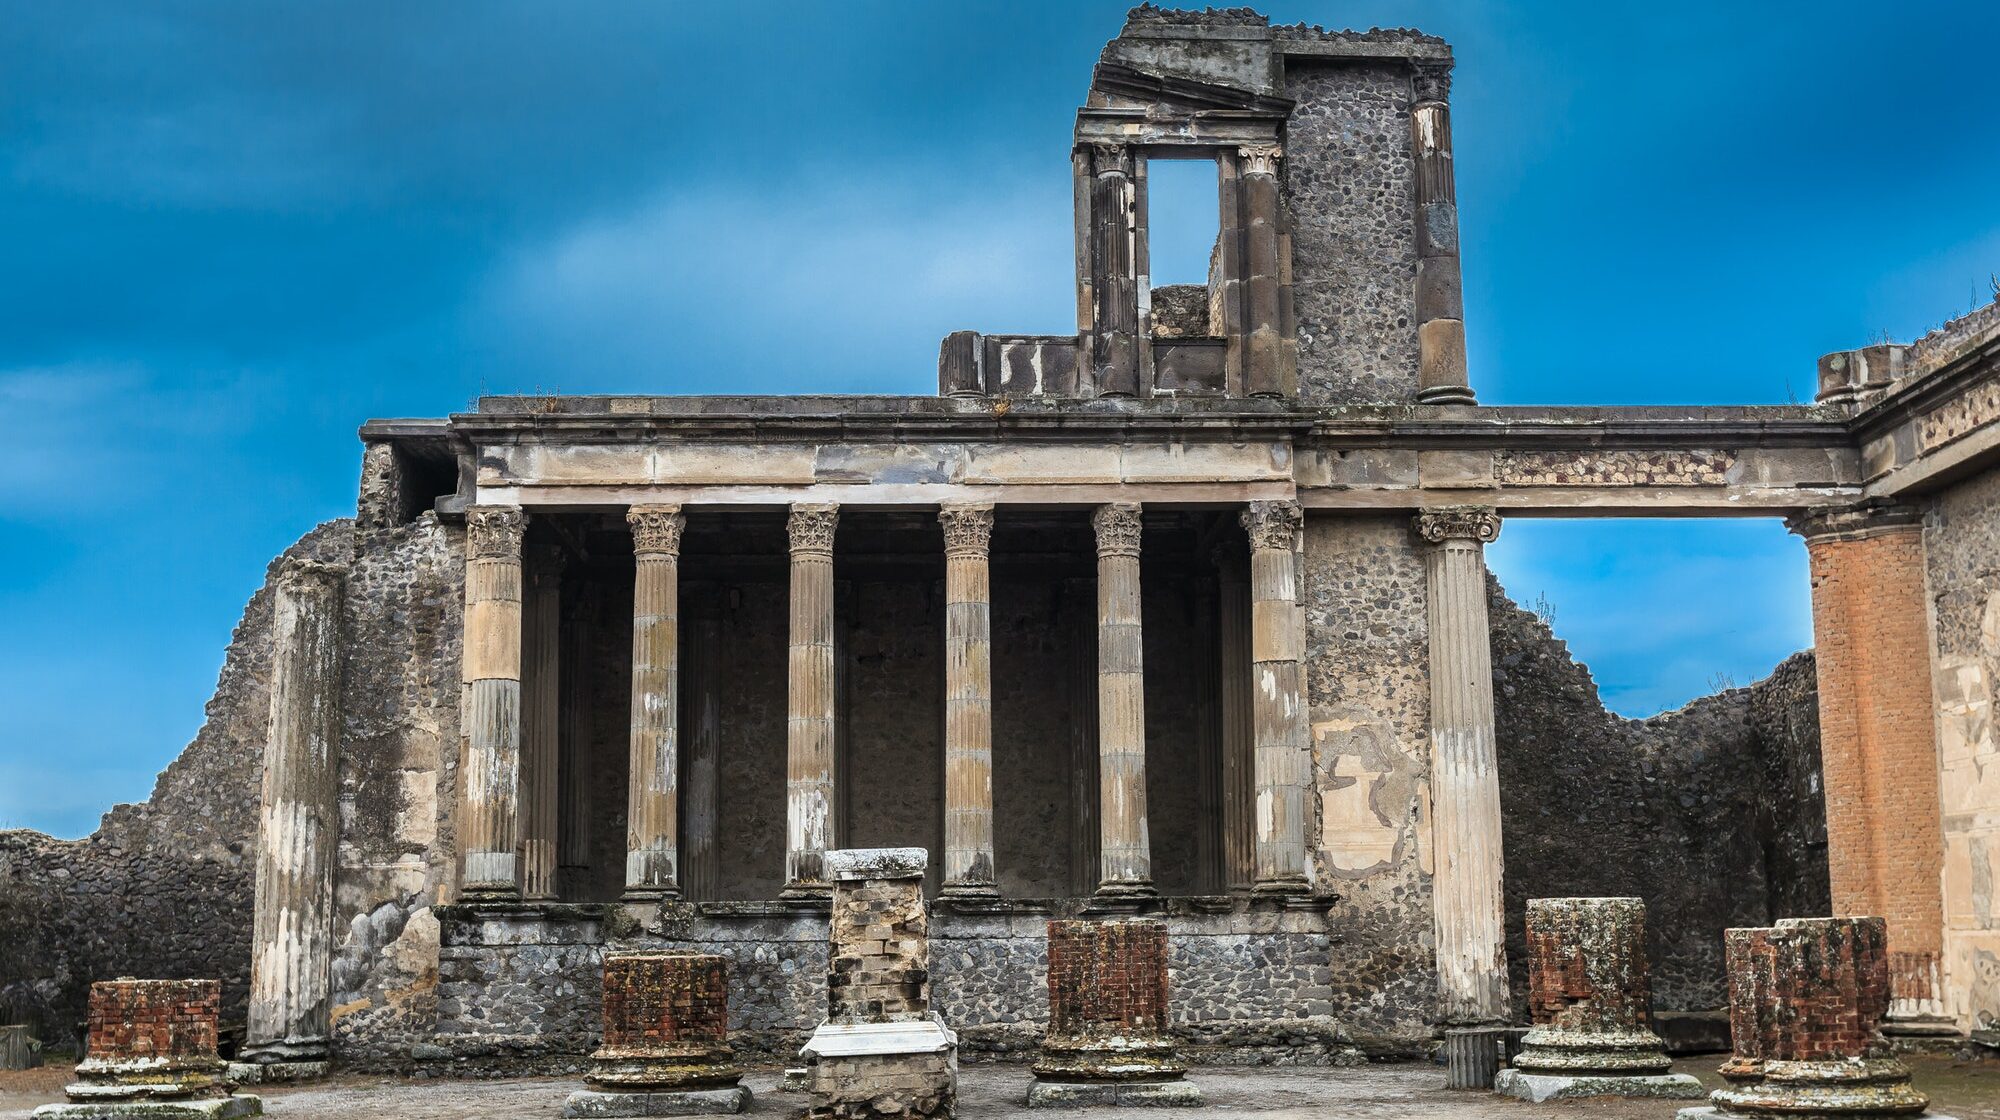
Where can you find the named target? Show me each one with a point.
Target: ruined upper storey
(1335, 273)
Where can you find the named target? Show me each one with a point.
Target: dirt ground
(1399, 1092)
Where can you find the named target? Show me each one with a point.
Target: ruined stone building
(1184, 614)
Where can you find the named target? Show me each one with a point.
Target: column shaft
(1114, 342)
(1465, 780)
(492, 667)
(1277, 698)
(968, 702)
(541, 615)
(652, 843)
(298, 825)
(811, 710)
(1124, 850)
(1265, 370)
(1441, 372)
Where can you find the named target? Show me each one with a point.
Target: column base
(1538, 1087)
(970, 892)
(807, 892)
(1136, 889)
(1280, 888)
(1446, 394)
(1711, 1112)
(641, 896)
(474, 893)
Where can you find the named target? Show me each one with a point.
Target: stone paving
(1969, 1091)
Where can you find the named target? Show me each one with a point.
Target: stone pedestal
(152, 1054)
(1591, 1002)
(881, 1051)
(666, 1040)
(1806, 1003)
(1108, 1041)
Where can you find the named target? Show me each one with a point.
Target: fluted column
(1441, 373)
(652, 831)
(1465, 780)
(1277, 698)
(811, 711)
(701, 801)
(1124, 850)
(492, 666)
(1266, 373)
(968, 702)
(298, 823)
(541, 614)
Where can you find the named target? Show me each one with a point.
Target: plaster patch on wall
(1367, 788)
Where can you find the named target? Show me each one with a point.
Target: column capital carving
(298, 574)
(1110, 159)
(656, 530)
(968, 529)
(1841, 523)
(1446, 523)
(1118, 528)
(1431, 80)
(1260, 159)
(495, 532)
(811, 527)
(1272, 525)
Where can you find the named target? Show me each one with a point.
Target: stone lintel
(855, 864)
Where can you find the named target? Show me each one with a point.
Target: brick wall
(131, 1019)
(1587, 963)
(656, 998)
(1879, 755)
(1809, 989)
(880, 968)
(1107, 977)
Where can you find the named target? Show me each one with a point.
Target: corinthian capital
(1272, 525)
(1117, 525)
(1260, 159)
(811, 527)
(1432, 81)
(968, 529)
(1111, 159)
(494, 532)
(656, 530)
(1465, 523)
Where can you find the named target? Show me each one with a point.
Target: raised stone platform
(1171, 1093)
(212, 1108)
(1538, 1087)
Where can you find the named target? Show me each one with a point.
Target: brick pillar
(881, 1052)
(492, 669)
(1806, 1000)
(1109, 1039)
(666, 1026)
(151, 1040)
(652, 850)
(1878, 747)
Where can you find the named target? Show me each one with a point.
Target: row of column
(510, 835)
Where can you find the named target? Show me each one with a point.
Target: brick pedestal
(1108, 1040)
(1806, 1002)
(666, 1040)
(1591, 1003)
(882, 1051)
(152, 1053)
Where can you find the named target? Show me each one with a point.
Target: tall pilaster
(1114, 335)
(492, 667)
(811, 717)
(1124, 848)
(1277, 697)
(1239, 784)
(652, 842)
(541, 666)
(298, 823)
(1267, 373)
(1465, 779)
(1441, 374)
(968, 702)
(701, 668)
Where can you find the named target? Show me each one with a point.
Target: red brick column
(151, 1039)
(1588, 989)
(1806, 1003)
(1108, 1003)
(1885, 846)
(666, 1024)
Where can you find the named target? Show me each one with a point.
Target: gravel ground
(1398, 1092)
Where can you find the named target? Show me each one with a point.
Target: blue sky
(235, 231)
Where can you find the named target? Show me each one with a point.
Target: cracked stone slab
(1538, 1087)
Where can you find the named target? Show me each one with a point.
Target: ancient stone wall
(162, 888)
(1350, 189)
(1962, 551)
(1721, 792)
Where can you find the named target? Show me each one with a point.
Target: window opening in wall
(1183, 215)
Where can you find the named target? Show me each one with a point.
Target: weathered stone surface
(1108, 1014)
(665, 1025)
(1588, 993)
(679, 1102)
(1539, 1087)
(152, 1054)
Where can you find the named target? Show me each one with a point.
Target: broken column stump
(1591, 1004)
(666, 1040)
(1108, 1041)
(152, 1055)
(882, 1051)
(1806, 1002)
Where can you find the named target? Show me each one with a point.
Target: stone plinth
(1108, 1041)
(881, 1050)
(152, 1054)
(666, 1040)
(1591, 1002)
(1806, 1003)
